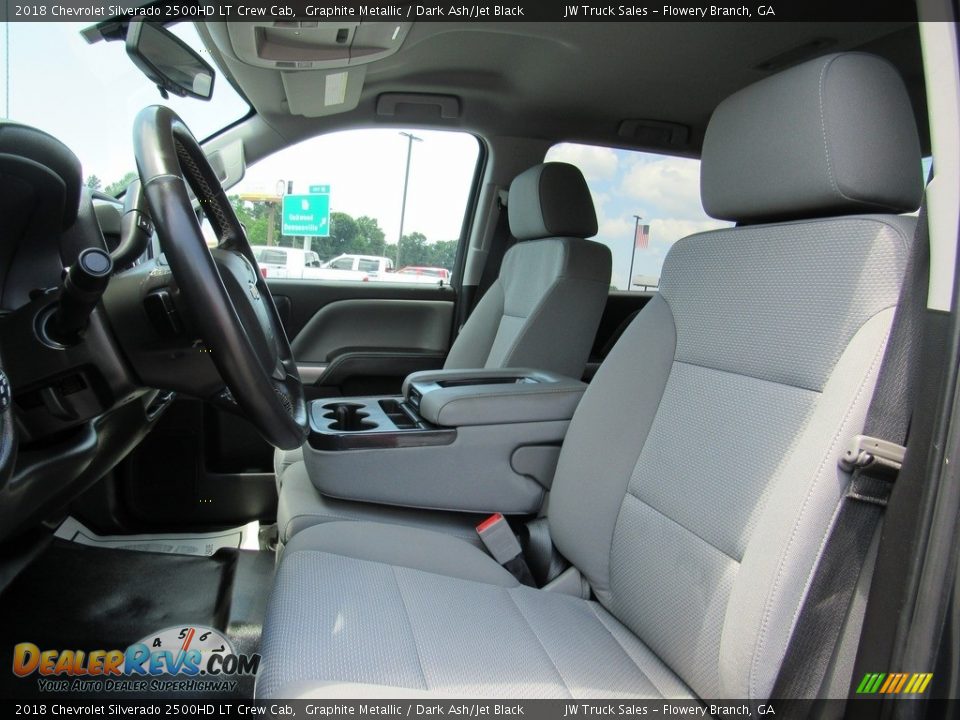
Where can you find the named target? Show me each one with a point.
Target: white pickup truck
(376, 266)
(298, 264)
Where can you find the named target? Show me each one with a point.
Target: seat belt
(498, 538)
(875, 458)
(545, 562)
(501, 241)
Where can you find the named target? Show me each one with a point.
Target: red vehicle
(428, 274)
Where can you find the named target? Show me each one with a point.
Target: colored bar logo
(894, 683)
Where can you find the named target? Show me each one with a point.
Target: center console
(466, 440)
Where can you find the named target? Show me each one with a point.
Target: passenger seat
(699, 477)
(543, 310)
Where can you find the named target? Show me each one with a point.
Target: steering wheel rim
(248, 345)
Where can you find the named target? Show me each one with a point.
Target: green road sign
(319, 190)
(306, 215)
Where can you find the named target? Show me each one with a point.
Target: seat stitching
(632, 494)
(823, 129)
(540, 643)
(623, 649)
(756, 377)
(774, 587)
(656, 412)
(413, 634)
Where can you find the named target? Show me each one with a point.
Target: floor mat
(245, 537)
(76, 597)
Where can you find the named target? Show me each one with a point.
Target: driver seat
(699, 476)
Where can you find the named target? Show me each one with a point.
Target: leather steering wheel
(223, 289)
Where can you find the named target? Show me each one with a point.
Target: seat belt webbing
(887, 424)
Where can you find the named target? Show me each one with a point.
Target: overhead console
(315, 45)
(322, 63)
(467, 440)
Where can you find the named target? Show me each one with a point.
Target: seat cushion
(361, 608)
(301, 506)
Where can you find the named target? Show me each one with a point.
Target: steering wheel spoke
(230, 303)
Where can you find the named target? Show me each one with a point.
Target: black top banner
(299, 11)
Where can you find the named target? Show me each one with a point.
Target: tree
(443, 253)
(255, 217)
(373, 239)
(115, 188)
(414, 250)
(93, 182)
(343, 238)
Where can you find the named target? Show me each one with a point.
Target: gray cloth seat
(699, 477)
(502, 638)
(301, 505)
(544, 308)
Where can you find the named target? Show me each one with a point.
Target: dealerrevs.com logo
(181, 658)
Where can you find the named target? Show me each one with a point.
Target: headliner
(577, 81)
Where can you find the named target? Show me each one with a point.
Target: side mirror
(168, 61)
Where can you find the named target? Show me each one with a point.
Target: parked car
(375, 266)
(298, 264)
(421, 274)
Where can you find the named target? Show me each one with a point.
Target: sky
(365, 171)
(663, 191)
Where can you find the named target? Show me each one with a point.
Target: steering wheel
(224, 291)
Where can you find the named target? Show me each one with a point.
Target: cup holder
(347, 417)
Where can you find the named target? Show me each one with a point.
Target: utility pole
(633, 250)
(406, 179)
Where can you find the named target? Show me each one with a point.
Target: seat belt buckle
(865, 452)
(498, 538)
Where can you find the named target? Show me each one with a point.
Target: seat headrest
(47, 165)
(551, 200)
(831, 136)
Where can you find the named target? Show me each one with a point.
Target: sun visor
(319, 93)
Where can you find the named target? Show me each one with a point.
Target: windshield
(88, 95)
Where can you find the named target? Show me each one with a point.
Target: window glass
(345, 196)
(644, 202)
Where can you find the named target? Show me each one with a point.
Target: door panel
(348, 326)
(358, 338)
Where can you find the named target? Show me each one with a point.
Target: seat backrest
(699, 476)
(544, 308)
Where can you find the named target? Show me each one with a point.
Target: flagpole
(633, 250)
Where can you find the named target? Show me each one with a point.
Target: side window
(645, 203)
(343, 194)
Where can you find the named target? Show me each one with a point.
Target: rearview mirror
(168, 61)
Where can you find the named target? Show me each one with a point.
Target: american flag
(642, 239)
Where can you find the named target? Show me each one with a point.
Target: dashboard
(71, 405)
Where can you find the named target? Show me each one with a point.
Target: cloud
(671, 186)
(596, 163)
(614, 229)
